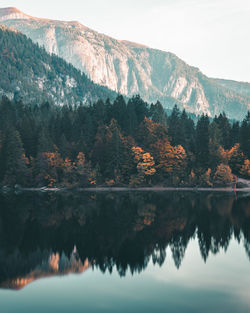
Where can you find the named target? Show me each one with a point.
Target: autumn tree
(236, 158)
(148, 134)
(245, 170)
(223, 175)
(49, 169)
(171, 161)
(145, 166)
(205, 179)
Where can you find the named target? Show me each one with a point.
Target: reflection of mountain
(122, 230)
(51, 264)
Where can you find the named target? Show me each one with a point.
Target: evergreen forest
(119, 143)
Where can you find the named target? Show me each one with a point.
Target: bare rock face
(130, 68)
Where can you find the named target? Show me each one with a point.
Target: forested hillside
(29, 73)
(118, 143)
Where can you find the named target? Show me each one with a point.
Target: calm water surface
(125, 252)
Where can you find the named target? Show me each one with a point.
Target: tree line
(119, 143)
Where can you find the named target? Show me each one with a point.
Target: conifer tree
(132, 121)
(225, 130)
(175, 127)
(202, 141)
(15, 162)
(235, 133)
(158, 115)
(245, 136)
(188, 139)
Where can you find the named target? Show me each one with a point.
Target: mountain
(12, 13)
(130, 68)
(29, 72)
(242, 88)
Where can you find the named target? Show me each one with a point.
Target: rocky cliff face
(130, 68)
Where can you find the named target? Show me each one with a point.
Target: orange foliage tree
(245, 170)
(144, 164)
(236, 158)
(171, 161)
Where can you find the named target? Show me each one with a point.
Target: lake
(125, 252)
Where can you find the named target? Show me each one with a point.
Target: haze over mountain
(130, 68)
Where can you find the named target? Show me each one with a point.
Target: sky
(213, 35)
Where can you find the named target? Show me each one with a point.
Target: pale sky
(213, 35)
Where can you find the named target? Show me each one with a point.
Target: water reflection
(43, 235)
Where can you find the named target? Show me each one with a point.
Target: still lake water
(125, 252)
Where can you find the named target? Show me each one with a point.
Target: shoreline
(121, 189)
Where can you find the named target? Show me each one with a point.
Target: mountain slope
(131, 68)
(242, 88)
(29, 72)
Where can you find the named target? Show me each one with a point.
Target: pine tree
(202, 141)
(158, 115)
(188, 139)
(235, 133)
(132, 122)
(245, 135)
(44, 143)
(225, 129)
(15, 162)
(140, 108)
(175, 127)
(119, 111)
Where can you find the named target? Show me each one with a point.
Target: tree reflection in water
(39, 232)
